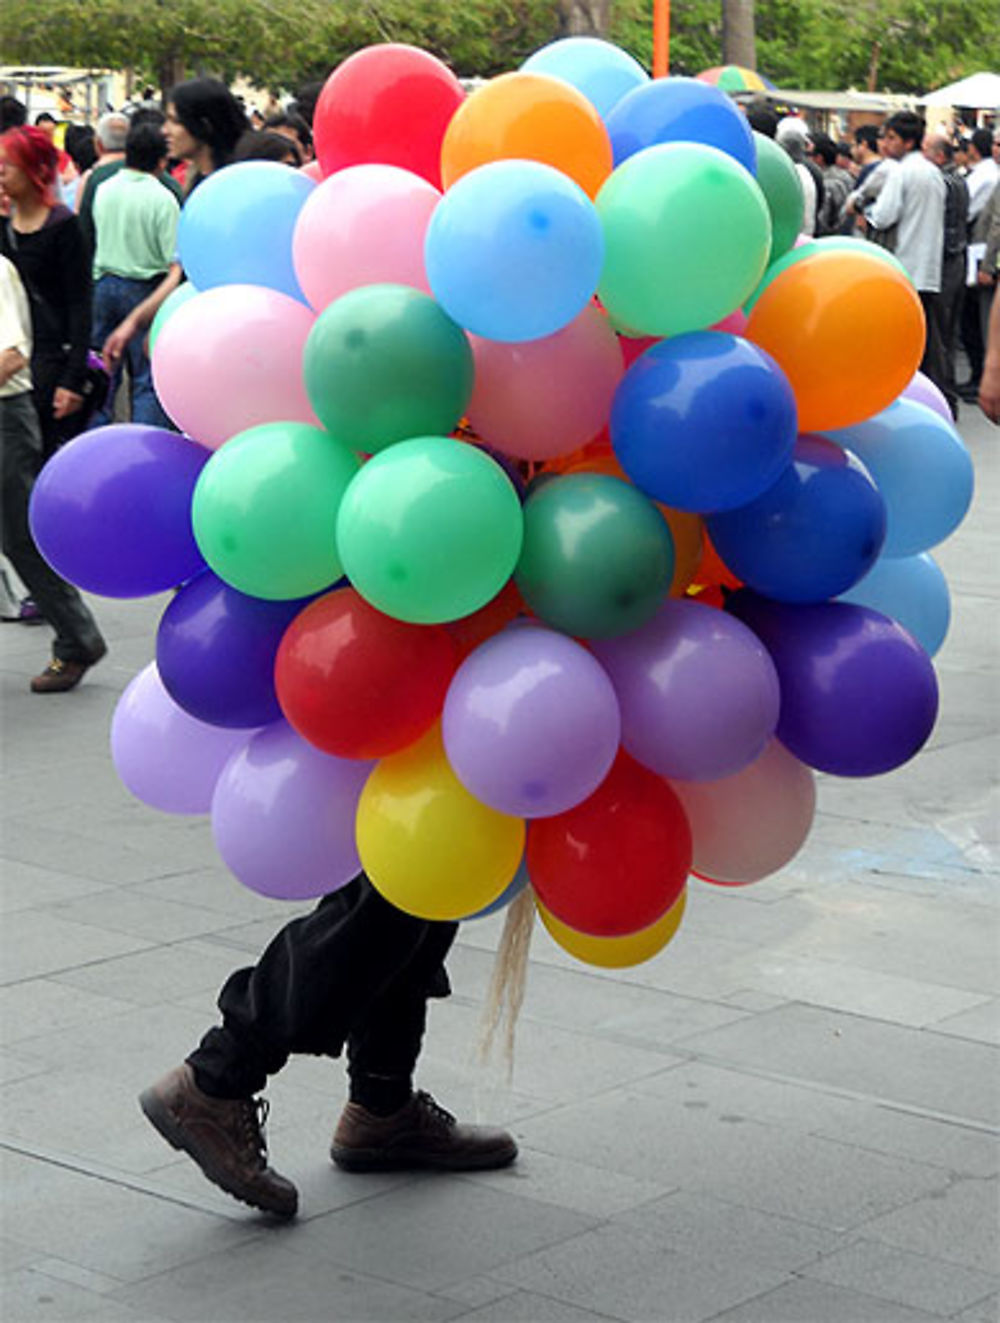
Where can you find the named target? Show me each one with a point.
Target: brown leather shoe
(61, 676)
(224, 1136)
(421, 1134)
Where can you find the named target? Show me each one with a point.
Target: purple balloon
(923, 391)
(111, 511)
(165, 757)
(858, 693)
(283, 816)
(699, 699)
(531, 724)
(215, 648)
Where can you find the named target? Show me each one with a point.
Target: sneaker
(224, 1136)
(420, 1134)
(61, 676)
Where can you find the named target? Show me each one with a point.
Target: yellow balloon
(616, 952)
(430, 847)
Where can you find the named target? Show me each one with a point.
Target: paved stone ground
(788, 1117)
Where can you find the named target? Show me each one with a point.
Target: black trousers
(77, 636)
(933, 364)
(355, 972)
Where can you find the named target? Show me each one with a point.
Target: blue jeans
(114, 299)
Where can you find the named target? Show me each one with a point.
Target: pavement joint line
(855, 1095)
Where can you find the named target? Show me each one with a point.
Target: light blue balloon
(603, 72)
(921, 467)
(911, 590)
(680, 110)
(236, 228)
(514, 251)
(510, 892)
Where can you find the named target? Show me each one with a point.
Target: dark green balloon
(779, 182)
(384, 363)
(597, 558)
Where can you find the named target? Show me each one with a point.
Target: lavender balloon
(283, 816)
(922, 390)
(858, 693)
(699, 699)
(165, 757)
(215, 648)
(531, 724)
(111, 511)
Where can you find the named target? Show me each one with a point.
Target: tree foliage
(903, 45)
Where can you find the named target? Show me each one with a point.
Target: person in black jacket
(43, 240)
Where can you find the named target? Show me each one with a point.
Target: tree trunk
(873, 66)
(738, 41)
(585, 18)
(170, 72)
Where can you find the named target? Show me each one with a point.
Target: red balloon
(616, 862)
(468, 632)
(389, 105)
(357, 683)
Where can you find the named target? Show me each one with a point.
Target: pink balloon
(364, 225)
(311, 170)
(231, 358)
(923, 391)
(164, 756)
(735, 323)
(541, 398)
(632, 348)
(747, 826)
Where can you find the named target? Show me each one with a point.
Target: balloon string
(508, 983)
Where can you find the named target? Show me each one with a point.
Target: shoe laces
(433, 1110)
(55, 667)
(253, 1116)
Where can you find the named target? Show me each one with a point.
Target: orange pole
(661, 38)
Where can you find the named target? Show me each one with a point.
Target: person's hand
(989, 392)
(985, 278)
(11, 361)
(114, 345)
(65, 402)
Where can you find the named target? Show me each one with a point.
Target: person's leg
(952, 284)
(146, 407)
(106, 316)
(972, 339)
(78, 643)
(932, 364)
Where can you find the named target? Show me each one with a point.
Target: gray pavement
(790, 1116)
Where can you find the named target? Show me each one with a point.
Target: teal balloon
(174, 300)
(384, 363)
(779, 182)
(265, 510)
(598, 558)
(911, 590)
(430, 530)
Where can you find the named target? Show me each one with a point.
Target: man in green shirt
(135, 219)
(112, 131)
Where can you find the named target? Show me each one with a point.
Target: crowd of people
(88, 255)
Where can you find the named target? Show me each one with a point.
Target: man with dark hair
(913, 199)
(837, 185)
(865, 152)
(293, 126)
(761, 118)
(112, 132)
(939, 150)
(305, 101)
(13, 113)
(136, 223)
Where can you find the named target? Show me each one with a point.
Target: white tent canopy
(980, 91)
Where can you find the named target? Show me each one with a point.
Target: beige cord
(510, 975)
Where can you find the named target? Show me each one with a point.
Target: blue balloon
(921, 467)
(215, 651)
(911, 590)
(236, 228)
(810, 536)
(680, 110)
(704, 421)
(514, 251)
(603, 72)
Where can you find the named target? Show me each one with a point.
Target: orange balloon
(529, 117)
(713, 570)
(685, 528)
(848, 332)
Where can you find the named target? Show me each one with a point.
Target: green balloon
(598, 558)
(384, 363)
(265, 507)
(687, 235)
(430, 530)
(834, 243)
(779, 182)
(174, 300)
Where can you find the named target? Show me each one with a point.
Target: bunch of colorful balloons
(543, 509)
